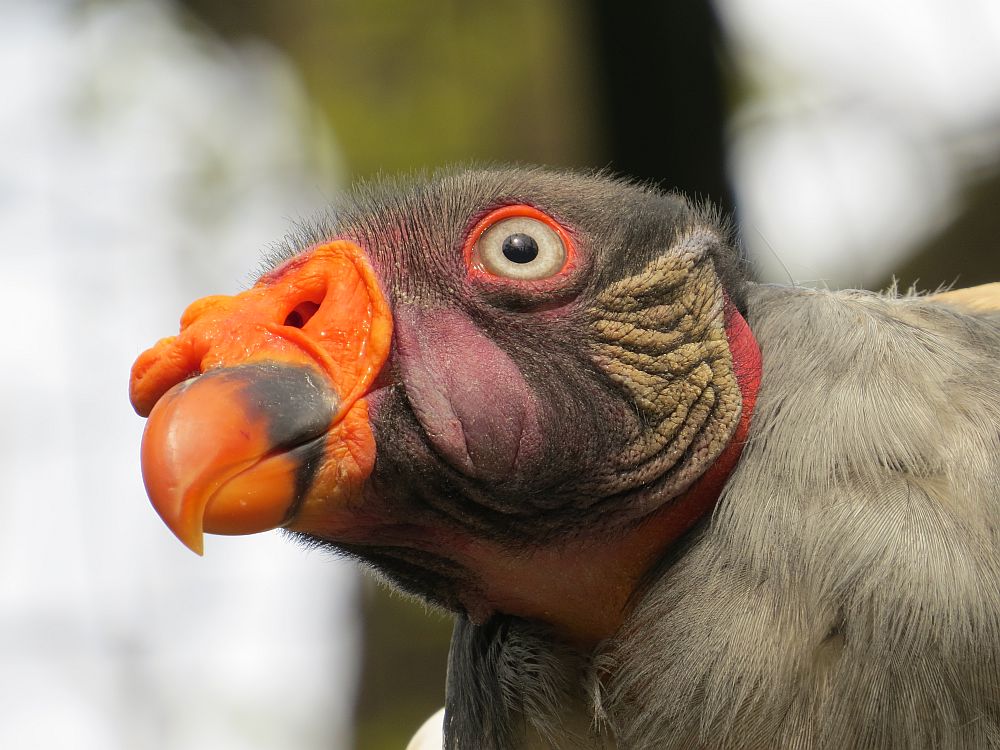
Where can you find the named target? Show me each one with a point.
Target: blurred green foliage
(410, 85)
(404, 656)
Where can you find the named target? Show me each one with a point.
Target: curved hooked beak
(256, 409)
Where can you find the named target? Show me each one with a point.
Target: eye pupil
(520, 248)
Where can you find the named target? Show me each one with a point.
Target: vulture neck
(584, 588)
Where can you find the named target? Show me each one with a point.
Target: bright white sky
(112, 634)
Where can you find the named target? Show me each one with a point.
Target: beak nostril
(301, 314)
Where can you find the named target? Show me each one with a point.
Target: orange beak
(256, 409)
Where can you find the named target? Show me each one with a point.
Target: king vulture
(669, 507)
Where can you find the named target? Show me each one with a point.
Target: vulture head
(508, 391)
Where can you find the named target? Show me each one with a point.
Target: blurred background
(151, 149)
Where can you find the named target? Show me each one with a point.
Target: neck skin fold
(583, 589)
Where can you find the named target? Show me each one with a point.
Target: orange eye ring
(516, 211)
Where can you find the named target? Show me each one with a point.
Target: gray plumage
(846, 592)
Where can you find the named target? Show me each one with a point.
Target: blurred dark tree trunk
(660, 76)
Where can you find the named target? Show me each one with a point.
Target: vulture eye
(519, 242)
